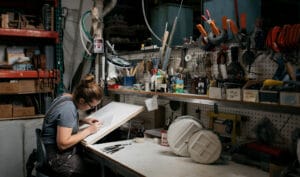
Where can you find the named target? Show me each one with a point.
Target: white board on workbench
(113, 115)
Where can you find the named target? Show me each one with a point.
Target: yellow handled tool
(272, 82)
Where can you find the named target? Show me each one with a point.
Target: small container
(164, 138)
(129, 81)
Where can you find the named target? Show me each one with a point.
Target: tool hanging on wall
(248, 56)
(216, 36)
(235, 71)
(169, 49)
(222, 60)
(284, 40)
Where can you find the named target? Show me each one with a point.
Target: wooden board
(112, 115)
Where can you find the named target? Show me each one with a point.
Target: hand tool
(243, 23)
(211, 23)
(164, 41)
(168, 52)
(203, 32)
(248, 56)
(243, 30)
(224, 27)
(115, 148)
(216, 36)
(234, 29)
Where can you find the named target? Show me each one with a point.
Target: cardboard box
(6, 110)
(8, 87)
(215, 93)
(234, 94)
(17, 86)
(26, 86)
(20, 111)
(290, 98)
(268, 96)
(251, 95)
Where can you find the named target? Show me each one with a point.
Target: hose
(146, 21)
(84, 34)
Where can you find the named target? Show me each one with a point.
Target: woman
(61, 133)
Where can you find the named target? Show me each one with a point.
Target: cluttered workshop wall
(191, 63)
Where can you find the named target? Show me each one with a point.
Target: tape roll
(188, 58)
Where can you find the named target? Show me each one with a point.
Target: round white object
(204, 147)
(187, 58)
(179, 133)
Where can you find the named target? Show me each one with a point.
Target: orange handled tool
(233, 27)
(201, 30)
(214, 28)
(224, 23)
(243, 23)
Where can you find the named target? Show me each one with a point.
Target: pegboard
(284, 123)
(263, 67)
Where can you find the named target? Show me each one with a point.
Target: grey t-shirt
(62, 112)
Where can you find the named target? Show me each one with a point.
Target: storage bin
(268, 96)
(234, 94)
(6, 110)
(20, 111)
(290, 98)
(251, 91)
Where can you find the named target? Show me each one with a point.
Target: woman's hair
(87, 89)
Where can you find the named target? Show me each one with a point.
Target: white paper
(112, 116)
(151, 103)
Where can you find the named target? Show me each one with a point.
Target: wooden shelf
(203, 99)
(30, 33)
(38, 116)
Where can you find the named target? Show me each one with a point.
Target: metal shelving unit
(39, 38)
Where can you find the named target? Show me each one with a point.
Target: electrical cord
(146, 21)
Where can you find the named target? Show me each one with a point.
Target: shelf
(26, 93)
(203, 99)
(26, 4)
(13, 74)
(30, 33)
(38, 116)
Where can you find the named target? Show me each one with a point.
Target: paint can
(164, 139)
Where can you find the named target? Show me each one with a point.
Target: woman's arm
(65, 139)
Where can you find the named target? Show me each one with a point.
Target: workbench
(148, 158)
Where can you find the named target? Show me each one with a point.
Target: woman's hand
(94, 127)
(90, 121)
